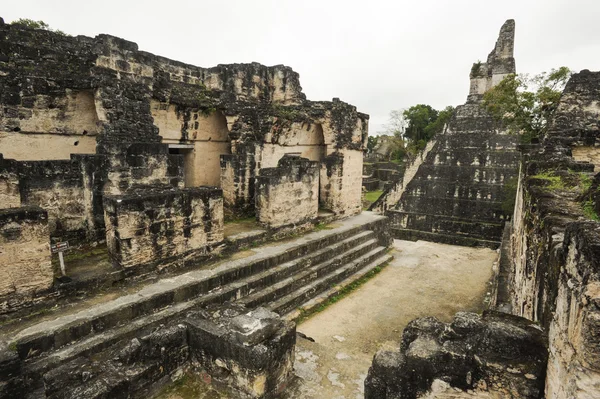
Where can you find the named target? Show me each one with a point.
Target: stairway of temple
(456, 195)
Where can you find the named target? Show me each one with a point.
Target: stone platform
(279, 277)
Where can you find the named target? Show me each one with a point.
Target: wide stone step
(446, 225)
(302, 278)
(452, 239)
(483, 211)
(291, 301)
(242, 274)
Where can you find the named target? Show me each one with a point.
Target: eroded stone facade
(90, 126)
(553, 275)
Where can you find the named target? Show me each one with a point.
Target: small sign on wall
(59, 247)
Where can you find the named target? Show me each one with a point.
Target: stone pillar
(163, 227)
(25, 263)
(288, 194)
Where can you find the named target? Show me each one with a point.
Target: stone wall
(496, 355)
(553, 278)
(25, 267)
(144, 166)
(553, 275)
(247, 354)
(69, 190)
(288, 195)
(163, 228)
(75, 90)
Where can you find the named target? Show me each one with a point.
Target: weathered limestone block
(238, 173)
(496, 354)
(69, 190)
(249, 353)
(163, 227)
(341, 182)
(289, 194)
(574, 363)
(25, 267)
(10, 196)
(143, 166)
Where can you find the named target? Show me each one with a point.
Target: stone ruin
(453, 191)
(545, 342)
(103, 143)
(144, 160)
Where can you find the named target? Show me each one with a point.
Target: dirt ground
(424, 279)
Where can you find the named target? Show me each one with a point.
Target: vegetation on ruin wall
(525, 104)
(30, 23)
(476, 68)
(581, 183)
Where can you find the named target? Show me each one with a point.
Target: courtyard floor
(424, 279)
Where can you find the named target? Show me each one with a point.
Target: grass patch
(372, 196)
(305, 315)
(323, 226)
(589, 210)
(586, 181)
(190, 386)
(554, 182)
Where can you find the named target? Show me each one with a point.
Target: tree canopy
(525, 104)
(413, 127)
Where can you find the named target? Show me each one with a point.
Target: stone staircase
(456, 196)
(281, 277)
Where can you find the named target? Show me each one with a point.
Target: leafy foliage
(414, 127)
(36, 25)
(526, 104)
(476, 68)
(371, 143)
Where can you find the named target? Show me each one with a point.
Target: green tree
(371, 143)
(420, 117)
(526, 104)
(415, 126)
(31, 23)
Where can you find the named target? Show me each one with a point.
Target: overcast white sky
(377, 55)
